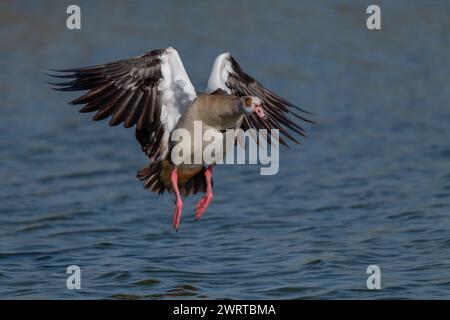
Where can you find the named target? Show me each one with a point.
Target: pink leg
(204, 202)
(178, 202)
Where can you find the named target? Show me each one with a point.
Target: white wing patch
(219, 74)
(177, 90)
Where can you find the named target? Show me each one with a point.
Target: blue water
(371, 185)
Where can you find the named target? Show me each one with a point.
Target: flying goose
(153, 93)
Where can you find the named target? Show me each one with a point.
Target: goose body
(215, 113)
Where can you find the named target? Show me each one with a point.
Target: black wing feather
(276, 108)
(125, 90)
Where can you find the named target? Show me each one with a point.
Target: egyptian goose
(153, 92)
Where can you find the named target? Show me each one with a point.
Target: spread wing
(227, 75)
(149, 92)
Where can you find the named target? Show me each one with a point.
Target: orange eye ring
(248, 102)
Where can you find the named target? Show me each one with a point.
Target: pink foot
(206, 199)
(202, 205)
(178, 202)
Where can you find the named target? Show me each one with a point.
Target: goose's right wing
(150, 91)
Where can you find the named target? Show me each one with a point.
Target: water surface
(370, 186)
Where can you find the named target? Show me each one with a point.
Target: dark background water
(370, 186)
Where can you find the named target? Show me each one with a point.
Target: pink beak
(259, 111)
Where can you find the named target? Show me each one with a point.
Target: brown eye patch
(248, 102)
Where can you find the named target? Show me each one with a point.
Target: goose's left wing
(228, 75)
